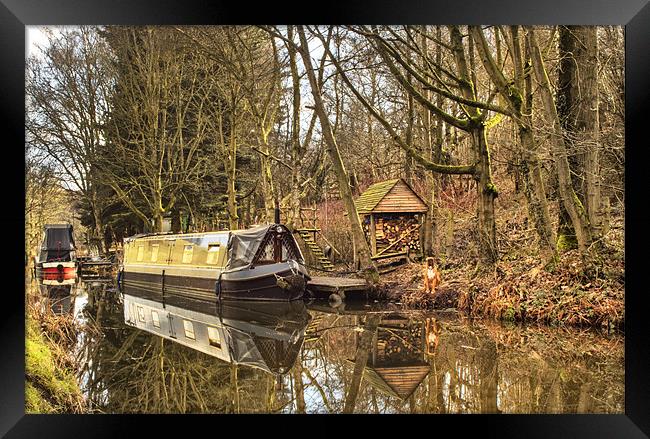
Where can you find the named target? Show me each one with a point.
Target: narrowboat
(58, 254)
(263, 262)
(259, 334)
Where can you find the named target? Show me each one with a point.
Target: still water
(142, 354)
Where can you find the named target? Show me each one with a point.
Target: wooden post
(373, 235)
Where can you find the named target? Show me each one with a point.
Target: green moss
(566, 242)
(49, 388)
(491, 188)
(35, 402)
(515, 97)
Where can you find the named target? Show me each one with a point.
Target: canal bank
(520, 288)
(51, 384)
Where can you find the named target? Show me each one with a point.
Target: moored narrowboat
(263, 262)
(58, 254)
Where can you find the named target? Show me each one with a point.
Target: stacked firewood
(388, 230)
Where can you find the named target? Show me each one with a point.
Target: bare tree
(518, 95)
(66, 96)
(361, 246)
(570, 201)
(158, 124)
(473, 119)
(578, 109)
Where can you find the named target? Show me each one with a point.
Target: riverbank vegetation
(51, 384)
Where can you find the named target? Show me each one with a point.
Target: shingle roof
(390, 196)
(373, 195)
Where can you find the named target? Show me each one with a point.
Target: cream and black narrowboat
(264, 262)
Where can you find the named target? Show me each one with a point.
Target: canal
(137, 353)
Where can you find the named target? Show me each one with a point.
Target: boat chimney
(277, 215)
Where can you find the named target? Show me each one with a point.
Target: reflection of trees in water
(475, 368)
(129, 370)
(470, 368)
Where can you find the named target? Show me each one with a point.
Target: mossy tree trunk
(577, 105)
(362, 251)
(570, 200)
(487, 192)
(518, 96)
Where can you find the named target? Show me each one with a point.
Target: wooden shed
(392, 214)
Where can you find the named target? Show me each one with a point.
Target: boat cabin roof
(172, 235)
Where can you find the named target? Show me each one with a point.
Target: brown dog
(431, 276)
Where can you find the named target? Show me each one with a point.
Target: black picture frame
(634, 14)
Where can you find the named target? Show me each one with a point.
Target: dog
(431, 276)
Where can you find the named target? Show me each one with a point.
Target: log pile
(389, 229)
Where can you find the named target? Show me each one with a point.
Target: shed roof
(390, 196)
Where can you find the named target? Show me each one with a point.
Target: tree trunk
(99, 227)
(267, 186)
(578, 111)
(231, 169)
(362, 250)
(487, 193)
(570, 200)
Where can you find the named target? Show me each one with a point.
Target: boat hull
(258, 283)
(51, 270)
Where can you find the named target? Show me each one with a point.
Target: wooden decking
(348, 286)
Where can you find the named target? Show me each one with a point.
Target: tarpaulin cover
(244, 351)
(243, 245)
(58, 243)
(58, 236)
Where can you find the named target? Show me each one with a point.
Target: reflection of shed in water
(397, 362)
(264, 335)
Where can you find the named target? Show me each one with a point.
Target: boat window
(213, 253)
(215, 338)
(154, 252)
(187, 254)
(140, 253)
(189, 329)
(141, 314)
(155, 319)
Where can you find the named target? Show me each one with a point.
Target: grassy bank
(50, 382)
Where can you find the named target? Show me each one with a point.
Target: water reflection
(58, 296)
(263, 335)
(297, 358)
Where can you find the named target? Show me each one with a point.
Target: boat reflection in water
(58, 294)
(266, 335)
